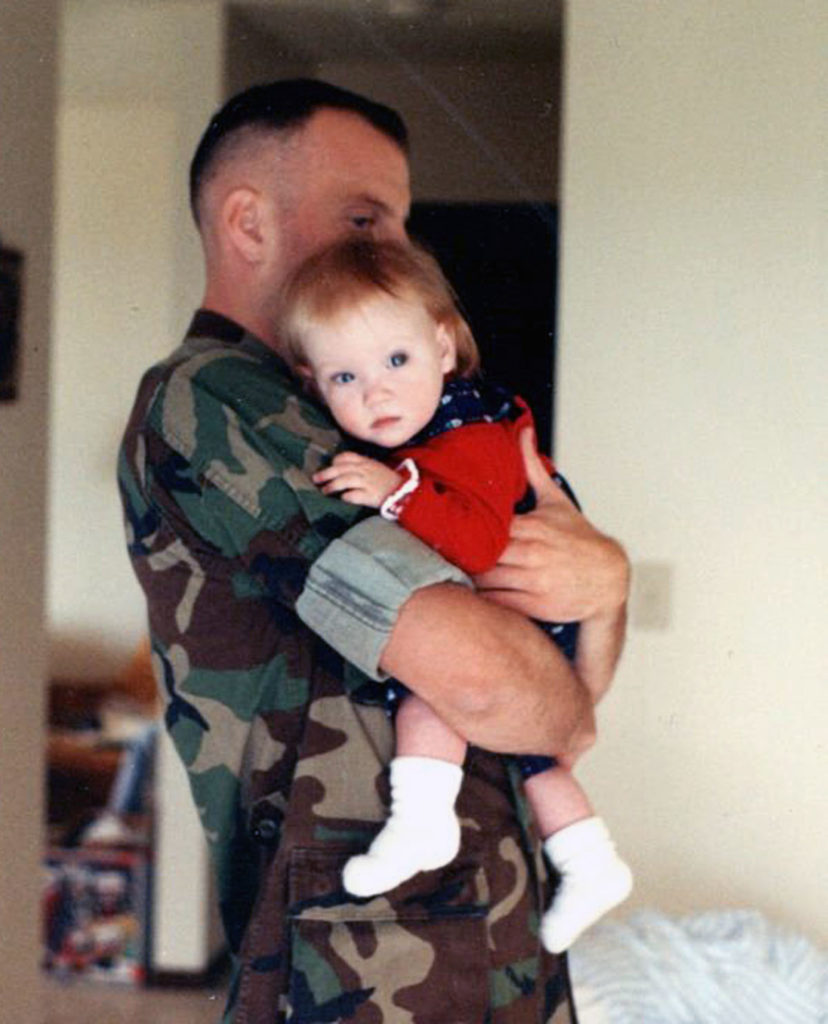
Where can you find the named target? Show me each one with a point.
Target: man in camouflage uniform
(273, 610)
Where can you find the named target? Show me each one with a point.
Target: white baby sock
(594, 879)
(422, 831)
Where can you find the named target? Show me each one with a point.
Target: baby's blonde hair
(341, 276)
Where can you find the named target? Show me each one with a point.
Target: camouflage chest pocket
(415, 955)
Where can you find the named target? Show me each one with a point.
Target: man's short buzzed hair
(278, 106)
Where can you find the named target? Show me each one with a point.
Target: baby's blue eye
(345, 377)
(398, 359)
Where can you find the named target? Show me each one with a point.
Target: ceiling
(322, 30)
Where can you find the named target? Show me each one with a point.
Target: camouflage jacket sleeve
(358, 584)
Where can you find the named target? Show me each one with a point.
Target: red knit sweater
(471, 477)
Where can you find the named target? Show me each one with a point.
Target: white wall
(138, 83)
(27, 111)
(693, 369)
(113, 316)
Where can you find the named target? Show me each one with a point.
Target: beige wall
(692, 414)
(113, 315)
(138, 83)
(27, 113)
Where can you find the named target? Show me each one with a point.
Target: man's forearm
(488, 672)
(600, 643)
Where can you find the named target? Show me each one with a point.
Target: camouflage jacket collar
(208, 324)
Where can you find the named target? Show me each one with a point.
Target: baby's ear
(448, 347)
(305, 374)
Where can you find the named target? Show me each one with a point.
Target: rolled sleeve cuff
(355, 589)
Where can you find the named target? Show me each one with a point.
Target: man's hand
(556, 567)
(358, 479)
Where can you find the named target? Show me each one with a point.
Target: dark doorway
(502, 261)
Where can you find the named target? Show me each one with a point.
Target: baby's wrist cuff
(392, 507)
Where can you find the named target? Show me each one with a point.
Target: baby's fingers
(323, 476)
(345, 462)
(343, 480)
(352, 491)
(349, 459)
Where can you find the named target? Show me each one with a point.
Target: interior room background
(689, 172)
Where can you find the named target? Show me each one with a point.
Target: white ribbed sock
(422, 831)
(594, 879)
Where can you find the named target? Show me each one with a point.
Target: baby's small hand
(358, 479)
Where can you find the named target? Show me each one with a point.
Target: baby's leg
(420, 732)
(422, 831)
(594, 879)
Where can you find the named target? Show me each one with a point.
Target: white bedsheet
(714, 967)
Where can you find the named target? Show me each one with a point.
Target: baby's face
(380, 368)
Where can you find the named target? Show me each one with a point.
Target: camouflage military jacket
(286, 754)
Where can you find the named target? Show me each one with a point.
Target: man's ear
(447, 347)
(246, 224)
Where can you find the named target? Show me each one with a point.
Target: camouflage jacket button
(265, 831)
